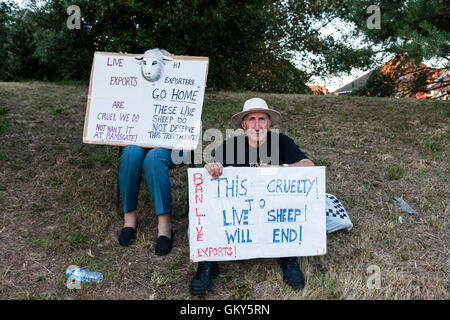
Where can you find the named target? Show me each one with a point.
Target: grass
(396, 171)
(57, 201)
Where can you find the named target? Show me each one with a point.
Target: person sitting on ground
(155, 163)
(259, 146)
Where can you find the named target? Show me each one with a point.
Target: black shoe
(163, 245)
(292, 274)
(206, 271)
(127, 236)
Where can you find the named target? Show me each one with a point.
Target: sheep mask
(152, 63)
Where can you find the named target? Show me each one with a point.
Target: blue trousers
(155, 164)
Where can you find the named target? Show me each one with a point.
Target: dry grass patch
(57, 201)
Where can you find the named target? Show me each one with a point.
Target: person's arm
(291, 154)
(301, 163)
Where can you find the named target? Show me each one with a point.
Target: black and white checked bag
(337, 216)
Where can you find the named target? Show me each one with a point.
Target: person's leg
(164, 225)
(130, 166)
(156, 166)
(130, 219)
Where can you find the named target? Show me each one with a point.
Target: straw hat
(255, 105)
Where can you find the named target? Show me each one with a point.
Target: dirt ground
(57, 201)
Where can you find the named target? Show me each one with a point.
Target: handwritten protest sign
(257, 213)
(124, 108)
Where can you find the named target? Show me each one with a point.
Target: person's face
(256, 125)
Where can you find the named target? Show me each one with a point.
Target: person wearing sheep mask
(257, 147)
(155, 164)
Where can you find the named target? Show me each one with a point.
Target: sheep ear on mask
(166, 58)
(166, 55)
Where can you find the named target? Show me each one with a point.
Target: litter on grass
(402, 204)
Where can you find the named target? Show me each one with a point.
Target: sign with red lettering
(260, 212)
(126, 106)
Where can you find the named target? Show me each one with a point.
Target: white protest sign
(124, 108)
(257, 213)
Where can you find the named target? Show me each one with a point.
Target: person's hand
(215, 169)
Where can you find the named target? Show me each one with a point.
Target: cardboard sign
(257, 213)
(124, 108)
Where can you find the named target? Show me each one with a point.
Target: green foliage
(248, 43)
(400, 76)
(5, 11)
(377, 85)
(3, 111)
(251, 45)
(4, 124)
(416, 29)
(396, 171)
(271, 74)
(230, 33)
(241, 291)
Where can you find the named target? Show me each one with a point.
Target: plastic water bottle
(83, 275)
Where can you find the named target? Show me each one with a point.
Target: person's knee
(158, 157)
(132, 155)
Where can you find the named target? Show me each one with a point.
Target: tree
(300, 30)
(4, 19)
(230, 32)
(417, 30)
(245, 41)
(398, 77)
(268, 73)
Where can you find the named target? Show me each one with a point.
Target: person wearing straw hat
(259, 146)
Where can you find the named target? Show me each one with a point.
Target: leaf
(89, 253)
